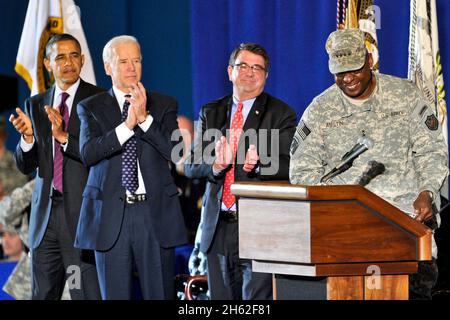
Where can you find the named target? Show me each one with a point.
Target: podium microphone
(374, 169)
(363, 144)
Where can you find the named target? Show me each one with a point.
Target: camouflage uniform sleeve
(430, 155)
(307, 152)
(18, 284)
(10, 176)
(12, 207)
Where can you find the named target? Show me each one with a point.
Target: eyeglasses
(243, 67)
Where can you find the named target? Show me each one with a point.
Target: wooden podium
(329, 242)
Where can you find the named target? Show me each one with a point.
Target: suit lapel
(44, 130)
(253, 120)
(218, 117)
(46, 127)
(111, 109)
(254, 117)
(137, 130)
(151, 111)
(74, 122)
(224, 116)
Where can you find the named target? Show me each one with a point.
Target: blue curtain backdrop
(294, 33)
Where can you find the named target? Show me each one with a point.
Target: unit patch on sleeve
(432, 122)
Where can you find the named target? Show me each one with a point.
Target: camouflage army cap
(9, 229)
(346, 50)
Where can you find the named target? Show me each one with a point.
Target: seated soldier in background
(190, 190)
(10, 176)
(14, 210)
(197, 260)
(11, 243)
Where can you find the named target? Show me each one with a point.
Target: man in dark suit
(130, 213)
(49, 144)
(255, 122)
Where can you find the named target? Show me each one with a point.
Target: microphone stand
(333, 173)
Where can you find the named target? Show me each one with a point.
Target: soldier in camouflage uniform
(10, 176)
(13, 216)
(12, 209)
(391, 111)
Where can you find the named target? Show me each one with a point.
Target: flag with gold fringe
(424, 63)
(43, 19)
(364, 15)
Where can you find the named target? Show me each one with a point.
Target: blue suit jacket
(103, 198)
(40, 158)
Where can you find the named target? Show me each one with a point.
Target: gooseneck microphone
(363, 144)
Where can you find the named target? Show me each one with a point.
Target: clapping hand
(138, 102)
(224, 155)
(251, 158)
(22, 124)
(57, 124)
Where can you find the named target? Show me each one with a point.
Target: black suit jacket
(40, 158)
(267, 113)
(103, 198)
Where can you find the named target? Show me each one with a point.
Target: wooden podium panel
(388, 287)
(348, 231)
(287, 235)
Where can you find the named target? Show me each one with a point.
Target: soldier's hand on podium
(423, 206)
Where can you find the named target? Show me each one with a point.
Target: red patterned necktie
(236, 130)
(58, 158)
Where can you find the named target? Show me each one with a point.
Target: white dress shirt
(56, 101)
(124, 133)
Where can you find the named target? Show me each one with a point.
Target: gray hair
(108, 49)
